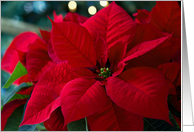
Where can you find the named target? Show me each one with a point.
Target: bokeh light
(72, 6)
(39, 6)
(104, 3)
(92, 10)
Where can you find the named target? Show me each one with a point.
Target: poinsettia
(107, 69)
(89, 79)
(32, 52)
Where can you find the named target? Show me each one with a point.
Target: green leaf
(18, 72)
(13, 95)
(40, 127)
(13, 121)
(160, 125)
(26, 127)
(79, 125)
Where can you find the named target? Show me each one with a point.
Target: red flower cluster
(108, 68)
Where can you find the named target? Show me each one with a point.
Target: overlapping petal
(145, 32)
(113, 24)
(8, 109)
(22, 79)
(76, 47)
(161, 54)
(26, 91)
(45, 35)
(141, 15)
(56, 121)
(36, 58)
(74, 17)
(114, 118)
(166, 16)
(142, 91)
(81, 98)
(45, 96)
(20, 42)
(147, 46)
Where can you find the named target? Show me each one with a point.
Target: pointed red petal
(101, 51)
(36, 58)
(22, 79)
(8, 109)
(113, 24)
(74, 17)
(45, 35)
(145, 47)
(22, 57)
(81, 98)
(142, 91)
(20, 42)
(166, 16)
(57, 18)
(45, 96)
(161, 54)
(37, 112)
(26, 91)
(113, 118)
(56, 121)
(145, 32)
(141, 15)
(72, 42)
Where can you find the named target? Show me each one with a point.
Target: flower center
(104, 73)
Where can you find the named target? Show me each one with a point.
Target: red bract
(172, 72)
(89, 79)
(32, 52)
(11, 58)
(166, 16)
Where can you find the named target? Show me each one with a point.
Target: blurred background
(21, 16)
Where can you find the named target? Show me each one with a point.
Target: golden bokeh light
(104, 3)
(72, 6)
(92, 10)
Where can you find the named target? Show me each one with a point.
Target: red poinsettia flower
(89, 79)
(32, 52)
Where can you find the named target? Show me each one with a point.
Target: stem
(86, 124)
